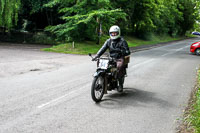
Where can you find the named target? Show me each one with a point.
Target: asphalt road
(43, 92)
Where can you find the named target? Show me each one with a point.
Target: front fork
(106, 85)
(102, 73)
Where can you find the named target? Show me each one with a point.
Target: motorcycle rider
(118, 48)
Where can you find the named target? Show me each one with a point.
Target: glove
(95, 58)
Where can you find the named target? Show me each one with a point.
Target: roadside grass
(133, 41)
(191, 121)
(91, 47)
(194, 113)
(80, 48)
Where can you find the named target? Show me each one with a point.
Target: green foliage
(146, 17)
(170, 17)
(86, 47)
(145, 13)
(37, 15)
(80, 48)
(42, 38)
(197, 16)
(155, 39)
(82, 19)
(75, 20)
(194, 117)
(187, 8)
(34, 5)
(9, 13)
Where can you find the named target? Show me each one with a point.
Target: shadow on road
(132, 97)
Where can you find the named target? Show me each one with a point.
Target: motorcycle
(105, 77)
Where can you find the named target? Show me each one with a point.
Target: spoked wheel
(97, 89)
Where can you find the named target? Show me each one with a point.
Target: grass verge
(91, 47)
(194, 117)
(192, 113)
(80, 48)
(134, 42)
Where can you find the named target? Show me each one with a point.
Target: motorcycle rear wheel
(98, 88)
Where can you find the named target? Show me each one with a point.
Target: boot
(120, 88)
(121, 82)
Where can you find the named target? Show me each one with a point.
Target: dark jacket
(117, 48)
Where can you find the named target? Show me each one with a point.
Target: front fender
(99, 73)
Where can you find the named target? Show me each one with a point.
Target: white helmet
(114, 28)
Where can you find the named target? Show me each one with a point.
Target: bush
(43, 38)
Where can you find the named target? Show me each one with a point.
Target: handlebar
(107, 58)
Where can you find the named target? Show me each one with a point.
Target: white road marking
(182, 48)
(167, 54)
(77, 91)
(139, 64)
(161, 55)
(175, 51)
(69, 95)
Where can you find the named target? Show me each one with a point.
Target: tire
(197, 52)
(98, 88)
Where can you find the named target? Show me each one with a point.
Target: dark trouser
(121, 70)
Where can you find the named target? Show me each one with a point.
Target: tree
(197, 16)
(73, 20)
(173, 17)
(9, 10)
(37, 15)
(187, 7)
(82, 18)
(141, 15)
(169, 18)
(145, 13)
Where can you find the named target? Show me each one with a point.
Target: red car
(195, 48)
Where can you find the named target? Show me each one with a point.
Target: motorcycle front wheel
(98, 88)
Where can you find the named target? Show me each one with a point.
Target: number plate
(103, 64)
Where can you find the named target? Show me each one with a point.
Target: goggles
(114, 33)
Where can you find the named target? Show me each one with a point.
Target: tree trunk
(47, 17)
(4, 31)
(98, 31)
(51, 18)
